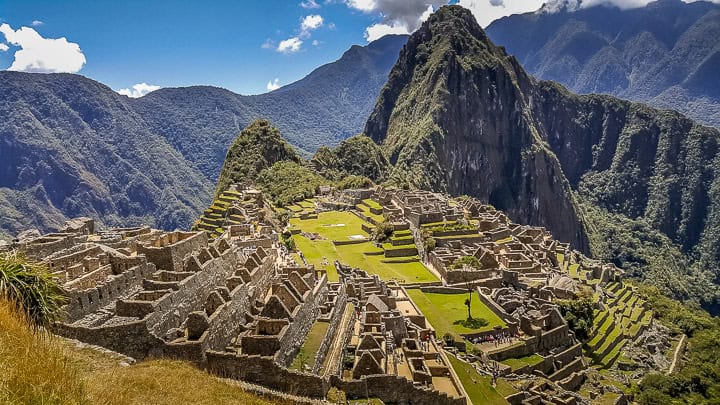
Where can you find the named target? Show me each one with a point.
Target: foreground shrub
(30, 288)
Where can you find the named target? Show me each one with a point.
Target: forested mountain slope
(666, 53)
(71, 146)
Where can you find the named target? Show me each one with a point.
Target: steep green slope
(258, 147)
(454, 117)
(665, 53)
(70, 146)
(357, 155)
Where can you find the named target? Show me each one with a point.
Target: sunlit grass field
(354, 254)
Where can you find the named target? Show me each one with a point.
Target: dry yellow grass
(36, 368)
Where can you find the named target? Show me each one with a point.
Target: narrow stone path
(335, 355)
(676, 357)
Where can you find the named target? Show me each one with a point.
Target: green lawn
(442, 310)
(520, 362)
(309, 203)
(479, 387)
(346, 224)
(574, 270)
(312, 343)
(372, 203)
(378, 218)
(351, 255)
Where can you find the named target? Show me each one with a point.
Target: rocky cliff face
(460, 115)
(455, 117)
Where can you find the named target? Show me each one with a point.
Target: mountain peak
(455, 117)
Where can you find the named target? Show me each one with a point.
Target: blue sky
(240, 45)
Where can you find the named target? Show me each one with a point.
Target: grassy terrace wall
(624, 315)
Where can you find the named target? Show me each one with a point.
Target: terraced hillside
(216, 216)
(622, 316)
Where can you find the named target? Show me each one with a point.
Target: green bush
(288, 182)
(579, 314)
(470, 261)
(30, 286)
(353, 181)
(382, 232)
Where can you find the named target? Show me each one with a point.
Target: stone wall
(300, 326)
(227, 320)
(171, 256)
(393, 389)
(574, 366)
(563, 358)
(83, 302)
(490, 303)
(49, 244)
(131, 338)
(193, 293)
(412, 251)
(529, 347)
(264, 371)
(334, 324)
(556, 337)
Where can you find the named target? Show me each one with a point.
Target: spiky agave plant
(31, 288)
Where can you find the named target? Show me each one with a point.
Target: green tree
(579, 314)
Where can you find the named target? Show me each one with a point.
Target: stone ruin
(391, 337)
(233, 301)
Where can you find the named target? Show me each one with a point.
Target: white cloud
(138, 90)
(309, 4)
(311, 22)
(290, 45)
(3, 47)
(398, 17)
(273, 84)
(426, 14)
(37, 23)
(43, 55)
(268, 44)
(487, 11)
(377, 31)
(553, 6)
(315, 42)
(362, 5)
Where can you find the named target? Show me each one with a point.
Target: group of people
(498, 339)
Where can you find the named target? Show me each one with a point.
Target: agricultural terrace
(520, 362)
(345, 226)
(446, 311)
(624, 317)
